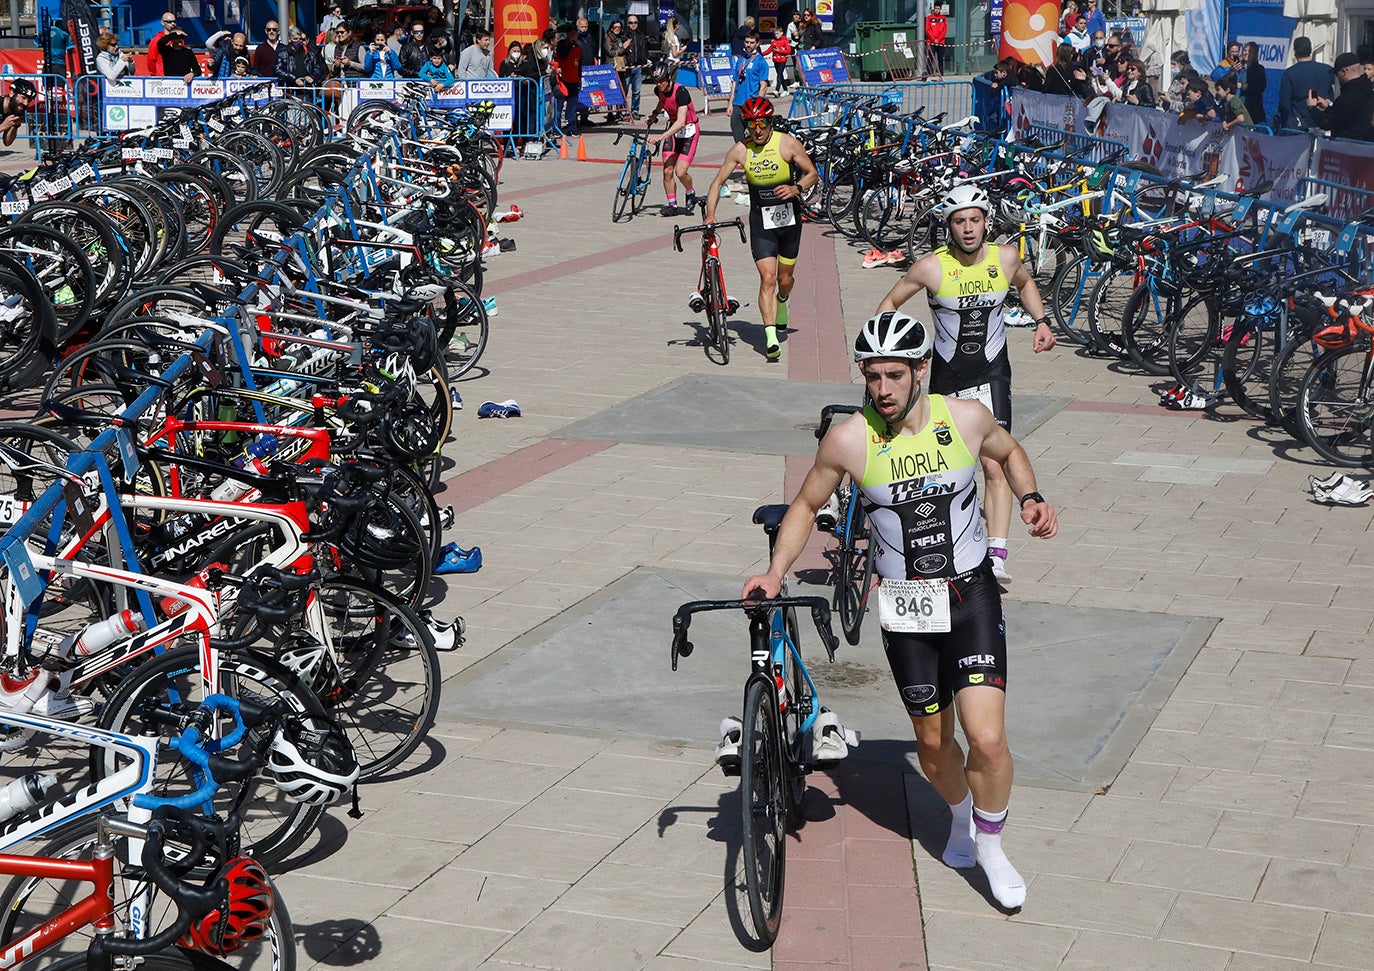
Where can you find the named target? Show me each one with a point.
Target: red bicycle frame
(94, 909)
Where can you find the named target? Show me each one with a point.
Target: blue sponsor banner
(600, 88)
(995, 22)
(1266, 25)
(500, 91)
(139, 102)
(1204, 27)
(824, 65)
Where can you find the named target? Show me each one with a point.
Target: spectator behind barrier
(1306, 75)
(1350, 114)
(109, 61)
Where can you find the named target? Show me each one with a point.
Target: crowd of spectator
(1100, 67)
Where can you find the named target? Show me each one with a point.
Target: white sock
(997, 542)
(1006, 884)
(959, 850)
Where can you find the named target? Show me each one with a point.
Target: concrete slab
(1085, 682)
(747, 414)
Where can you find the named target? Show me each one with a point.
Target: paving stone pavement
(1239, 835)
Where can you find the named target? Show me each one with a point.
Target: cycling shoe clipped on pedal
(453, 558)
(831, 741)
(828, 516)
(727, 750)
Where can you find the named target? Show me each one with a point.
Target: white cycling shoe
(831, 741)
(829, 514)
(727, 750)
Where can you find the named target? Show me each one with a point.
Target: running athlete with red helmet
(967, 283)
(778, 172)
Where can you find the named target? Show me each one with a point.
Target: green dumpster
(869, 39)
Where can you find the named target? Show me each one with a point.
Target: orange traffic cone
(563, 148)
(581, 149)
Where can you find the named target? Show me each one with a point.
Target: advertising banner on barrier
(600, 88)
(1349, 163)
(824, 65)
(139, 102)
(1179, 148)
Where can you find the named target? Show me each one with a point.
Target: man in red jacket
(155, 55)
(937, 29)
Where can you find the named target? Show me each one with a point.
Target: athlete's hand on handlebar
(761, 587)
(1041, 519)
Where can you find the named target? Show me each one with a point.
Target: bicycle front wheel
(1337, 409)
(717, 311)
(28, 902)
(624, 192)
(763, 813)
(147, 703)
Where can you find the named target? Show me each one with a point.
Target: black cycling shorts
(998, 389)
(931, 668)
(783, 244)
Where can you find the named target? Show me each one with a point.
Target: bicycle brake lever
(821, 616)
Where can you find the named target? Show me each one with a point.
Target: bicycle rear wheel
(763, 814)
(854, 572)
(717, 311)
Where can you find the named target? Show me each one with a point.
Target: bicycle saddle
(770, 516)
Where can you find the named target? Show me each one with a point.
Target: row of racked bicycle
(221, 535)
(1232, 296)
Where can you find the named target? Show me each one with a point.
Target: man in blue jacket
(751, 81)
(1305, 76)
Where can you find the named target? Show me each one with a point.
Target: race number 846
(914, 606)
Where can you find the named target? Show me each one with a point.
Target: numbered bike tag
(982, 393)
(914, 606)
(778, 217)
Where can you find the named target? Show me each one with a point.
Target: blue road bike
(635, 177)
(781, 705)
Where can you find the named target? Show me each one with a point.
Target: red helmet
(758, 108)
(242, 918)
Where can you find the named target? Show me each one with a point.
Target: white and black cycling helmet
(893, 334)
(312, 766)
(966, 196)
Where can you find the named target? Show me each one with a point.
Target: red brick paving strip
(851, 899)
(476, 486)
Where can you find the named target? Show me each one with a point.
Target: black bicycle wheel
(27, 902)
(878, 217)
(620, 205)
(1285, 379)
(1195, 342)
(800, 701)
(464, 329)
(1146, 323)
(644, 174)
(1337, 409)
(854, 572)
(1246, 363)
(251, 232)
(60, 266)
(1106, 309)
(385, 687)
(717, 311)
(273, 826)
(174, 959)
(763, 812)
(1067, 299)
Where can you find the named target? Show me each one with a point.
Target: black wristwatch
(1033, 497)
(1043, 320)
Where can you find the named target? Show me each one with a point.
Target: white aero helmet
(893, 334)
(966, 196)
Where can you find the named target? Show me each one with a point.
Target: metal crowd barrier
(954, 98)
(1088, 148)
(49, 122)
(1344, 202)
(530, 112)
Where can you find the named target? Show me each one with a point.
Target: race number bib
(688, 130)
(982, 393)
(914, 606)
(778, 217)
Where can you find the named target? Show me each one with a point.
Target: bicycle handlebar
(680, 231)
(820, 615)
(829, 412)
(205, 754)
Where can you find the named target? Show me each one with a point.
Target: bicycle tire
(56, 261)
(464, 316)
(1106, 307)
(26, 902)
(273, 826)
(622, 202)
(1246, 364)
(175, 959)
(854, 573)
(1195, 341)
(1337, 414)
(1285, 380)
(878, 217)
(800, 700)
(763, 814)
(1146, 323)
(100, 242)
(28, 341)
(717, 311)
(641, 186)
(1067, 299)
